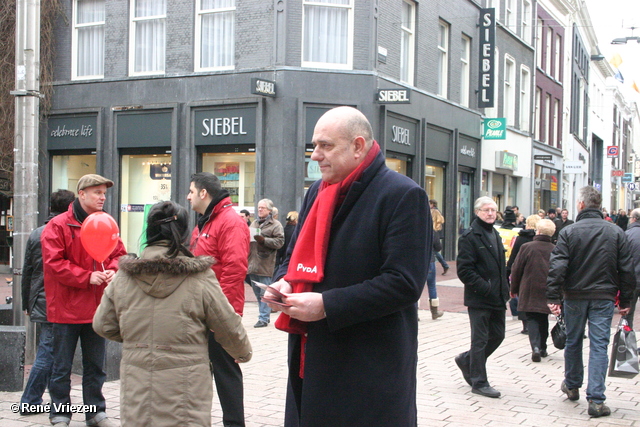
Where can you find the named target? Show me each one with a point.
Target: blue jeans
(431, 281)
(264, 310)
(65, 339)
(599, 314)
(441, 260)
(41, 369)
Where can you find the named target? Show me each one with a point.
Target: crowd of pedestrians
(345, 275)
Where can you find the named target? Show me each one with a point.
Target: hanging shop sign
(495, 128)
(263, 87)
(612, 151)
(487, 52)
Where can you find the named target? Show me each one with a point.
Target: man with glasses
(482, 269)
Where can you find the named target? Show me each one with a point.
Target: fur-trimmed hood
(159, 276)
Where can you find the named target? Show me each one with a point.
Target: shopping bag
(624, 352)
(559, 333)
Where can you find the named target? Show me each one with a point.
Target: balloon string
(102, 263)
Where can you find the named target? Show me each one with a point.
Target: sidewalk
(530, 391)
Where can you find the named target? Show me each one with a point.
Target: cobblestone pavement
(530, 391)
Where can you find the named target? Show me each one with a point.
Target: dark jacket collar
(542, 238)
(589, 213)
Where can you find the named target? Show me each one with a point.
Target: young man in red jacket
(224, 235)
(74, 283)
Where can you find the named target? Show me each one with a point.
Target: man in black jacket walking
(589, 265)
(482, 268)
(35, 306)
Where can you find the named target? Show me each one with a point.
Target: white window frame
(526, 21)
(547, 117)
(75, 46)
(496, 5)
(556, 123)
(509, 94)
(132, 41)
(525, 99)
(465, 70)
(548, 50)
(556, 54)
(539, 29)
(443, 59)
(329, 65)
(510, 14)
(197, 54)
(407, 58)
(536, 129)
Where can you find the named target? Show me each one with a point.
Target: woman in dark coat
(529, 283)
(525, 236)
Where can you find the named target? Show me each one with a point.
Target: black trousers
(228, 378)
(538, 325)
(487, 333)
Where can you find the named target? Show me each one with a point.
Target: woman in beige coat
(160, 306)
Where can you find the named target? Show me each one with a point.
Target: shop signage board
(263, 87)
(393, 96)
(495, 128)
(627, 177)
(612, 151)
(506, 160)
(573, 167)
(487, 51)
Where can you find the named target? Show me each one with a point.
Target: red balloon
(99, 235)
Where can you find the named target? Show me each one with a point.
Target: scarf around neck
(306, 266)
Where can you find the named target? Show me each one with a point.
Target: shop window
(237, 174)
(215, 30)
(148, 29)
(66, 170)
(146, 180)
(465, 200)
(88, 39)
(327, 39)
(397, 165)
(311, 170)
(434, 184)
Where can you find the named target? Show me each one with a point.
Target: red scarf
(306, 265)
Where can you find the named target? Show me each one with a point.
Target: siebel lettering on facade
(393, 96)
(222, 126)
(487, 52)
(400, 135)
(263, 87)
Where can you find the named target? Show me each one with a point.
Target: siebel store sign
(225, 126)
(393, 96)
(487, 52)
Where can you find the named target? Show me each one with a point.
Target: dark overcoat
(529, 275)
(482, 268)
(361, 360)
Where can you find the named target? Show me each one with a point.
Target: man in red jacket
(74, 283)
(224, 235)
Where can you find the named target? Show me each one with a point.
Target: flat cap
(91, 180)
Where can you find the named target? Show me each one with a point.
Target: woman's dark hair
(169, 221)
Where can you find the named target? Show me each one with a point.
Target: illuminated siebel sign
(487, 51)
